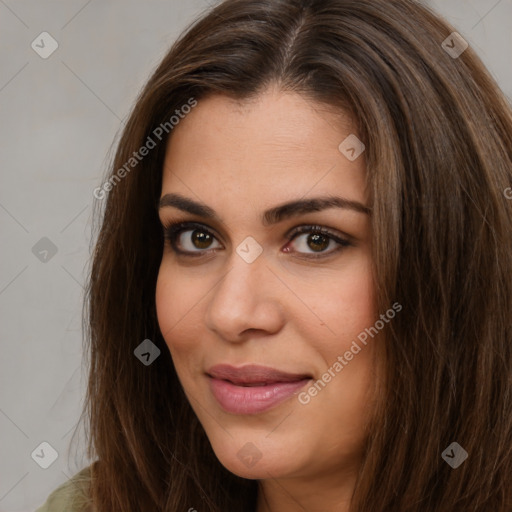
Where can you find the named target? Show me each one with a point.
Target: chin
(256, 456)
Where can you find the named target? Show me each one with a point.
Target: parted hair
(438, 137)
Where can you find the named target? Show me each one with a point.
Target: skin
(284, 310)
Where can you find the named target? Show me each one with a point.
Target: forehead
(277, 145)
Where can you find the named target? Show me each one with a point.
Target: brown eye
(201, 239)
(317, 242)
(195, 240)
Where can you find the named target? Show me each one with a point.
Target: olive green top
(71, 496)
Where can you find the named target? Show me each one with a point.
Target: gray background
(60, 117)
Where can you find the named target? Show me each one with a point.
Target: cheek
(166, 310)
(356, 307)
(346, 307)
(176, 305)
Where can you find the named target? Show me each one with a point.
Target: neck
(323, 492)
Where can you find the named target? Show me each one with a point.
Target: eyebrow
(271, 216)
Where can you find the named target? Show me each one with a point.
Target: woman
(301, 295)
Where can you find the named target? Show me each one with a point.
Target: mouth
(253, 389)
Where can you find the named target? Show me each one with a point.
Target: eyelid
(338, 236)
(168, 224)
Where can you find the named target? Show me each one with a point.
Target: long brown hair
(438, 136)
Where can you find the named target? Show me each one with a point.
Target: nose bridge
(243, 299)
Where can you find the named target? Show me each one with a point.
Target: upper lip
(253, 374)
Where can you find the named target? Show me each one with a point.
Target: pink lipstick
(252, 389)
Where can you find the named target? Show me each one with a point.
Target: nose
(245, 300)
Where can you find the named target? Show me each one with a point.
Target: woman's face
(255, 304)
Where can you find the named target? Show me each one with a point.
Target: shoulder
(71, 496)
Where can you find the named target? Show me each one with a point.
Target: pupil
(201, 239)
(320, 241)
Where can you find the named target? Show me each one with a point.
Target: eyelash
(173, 230)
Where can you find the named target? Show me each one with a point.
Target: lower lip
(252, 399)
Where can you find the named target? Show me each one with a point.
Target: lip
(253, 389)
